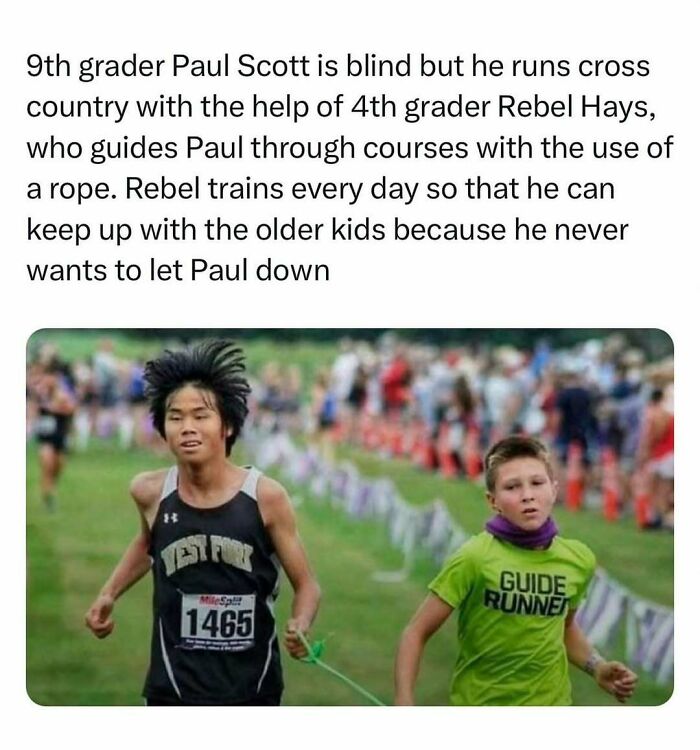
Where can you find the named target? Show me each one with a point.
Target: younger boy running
(214, 535)
(516, 587)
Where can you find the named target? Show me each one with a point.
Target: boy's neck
(208, 484)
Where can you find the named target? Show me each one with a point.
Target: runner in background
(324, 414)
(656, 451)
(55, 405)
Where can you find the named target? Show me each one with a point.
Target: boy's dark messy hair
(215, 366)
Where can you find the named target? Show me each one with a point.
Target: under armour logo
(168, 517)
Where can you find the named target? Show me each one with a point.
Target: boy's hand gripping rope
(315, 651)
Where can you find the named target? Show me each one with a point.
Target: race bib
(217, 622)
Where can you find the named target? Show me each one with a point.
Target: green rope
(313, 656)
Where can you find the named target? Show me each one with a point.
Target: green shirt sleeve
(589, 564)
(456, 579)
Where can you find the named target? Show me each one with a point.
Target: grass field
(71, 552)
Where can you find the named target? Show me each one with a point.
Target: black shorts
(57, 441)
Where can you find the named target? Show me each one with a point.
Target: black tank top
(215, 579)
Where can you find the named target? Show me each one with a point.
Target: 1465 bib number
(217, 622)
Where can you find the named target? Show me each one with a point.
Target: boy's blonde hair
(510, 448)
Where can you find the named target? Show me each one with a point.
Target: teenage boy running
(215, 535)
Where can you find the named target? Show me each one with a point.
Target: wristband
(592, 662)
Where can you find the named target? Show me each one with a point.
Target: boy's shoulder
(145, 487)
(577, 550)
(273, 501)
(475, 546)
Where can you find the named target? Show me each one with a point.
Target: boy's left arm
(280, 522)
(612, 676)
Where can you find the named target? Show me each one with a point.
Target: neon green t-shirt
(512, 603)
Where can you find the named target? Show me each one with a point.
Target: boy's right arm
(135, 562)
(427, 620)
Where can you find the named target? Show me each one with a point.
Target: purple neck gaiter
(503, 529)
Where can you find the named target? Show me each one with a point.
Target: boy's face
(524, 493)
(194, 430)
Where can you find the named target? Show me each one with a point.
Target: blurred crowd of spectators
(602, 396)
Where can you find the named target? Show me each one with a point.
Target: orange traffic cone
(574, 477)
(642, 498)
(448, 465)
(472, 458)
(611, 485)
